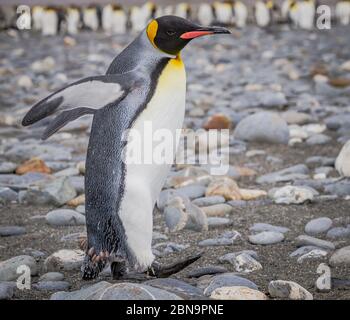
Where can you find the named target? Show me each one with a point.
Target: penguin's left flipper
(79, 98)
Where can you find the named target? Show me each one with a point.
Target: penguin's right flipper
(77, 99)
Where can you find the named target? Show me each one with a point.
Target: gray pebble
(216, 222)
(313, 254)
(302, 250)
(208, 201)
(117, 291)
(266, 238)
(8, 231)
(65, 217)
(304, 240)
(230, 257)
(259, 227)
(263, 127)
(338, 232)
(52, 276)
(7, 167)
(226, 239)
(318, 226)
(317, 139)
(7, 195)
(192, 191)
(288, 289)
(7, 290)
(8, 268)
(341, 257)
(228, 280)
(178, 287)
(51, 285)
(299, 171)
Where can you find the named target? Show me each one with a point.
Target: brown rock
(237, 293)
(225, 187)
(319, 69)
(77, 201)
(248, 194)
(217, 121)
(339, 82)
(245, 172)
(33, 165)
(217, 210)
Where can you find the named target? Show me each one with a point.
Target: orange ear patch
(152, 29)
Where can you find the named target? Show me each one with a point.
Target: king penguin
(145, 82)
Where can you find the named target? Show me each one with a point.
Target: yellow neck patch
(152, 29)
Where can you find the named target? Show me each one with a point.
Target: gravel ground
(252, 55)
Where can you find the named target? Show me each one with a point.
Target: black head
(171, 34)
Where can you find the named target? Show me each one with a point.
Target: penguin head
(171, 34)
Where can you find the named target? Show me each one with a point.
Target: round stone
(237, 293)
(8, 231)
(341, 257)
(65, 217)
(266, 237)
(318, 226)
(288, 290)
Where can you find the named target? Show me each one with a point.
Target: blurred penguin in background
(49, 25)
(140, 16)
(285, 7)
(73, 20)
(293, 13)
(61, 16)
(240, 13)
(107, 18)
(342, 12)
(159, 11)
(168, 11)
(37, 16)
(183, 10)
(119, 20)
(205, 14)
(136, 19)
(223, 12)
(263, 11)
(8, 17)
(90, 18)
(307, 11)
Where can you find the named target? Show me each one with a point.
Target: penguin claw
(83, 244)
(91, 252)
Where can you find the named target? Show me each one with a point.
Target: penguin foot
(94, 263)
(163, 271)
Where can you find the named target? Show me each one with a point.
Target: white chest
(143, 181)
(158, 126)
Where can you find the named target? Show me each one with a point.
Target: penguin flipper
(79, 98)
(63, 118)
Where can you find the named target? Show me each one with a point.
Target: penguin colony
(114, 19)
